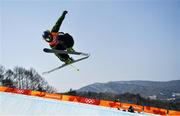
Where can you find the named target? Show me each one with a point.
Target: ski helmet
(47, 36)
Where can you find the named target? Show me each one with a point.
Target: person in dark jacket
(131, 109)
(60, 40)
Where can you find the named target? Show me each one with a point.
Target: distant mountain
(161, 90)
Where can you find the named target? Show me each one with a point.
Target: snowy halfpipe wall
(16, 104)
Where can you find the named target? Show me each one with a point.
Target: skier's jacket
(55, 40)
(55, 31)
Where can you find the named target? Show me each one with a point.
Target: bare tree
(2, 70)
(18, 72)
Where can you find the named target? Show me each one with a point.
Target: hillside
(160, 90)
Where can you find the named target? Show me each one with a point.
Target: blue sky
(127, 39)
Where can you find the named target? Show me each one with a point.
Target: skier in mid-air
(61, 45)
(59, 40)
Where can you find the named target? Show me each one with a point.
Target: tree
(2, 69)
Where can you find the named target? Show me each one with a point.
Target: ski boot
(69, 61)
(70, 50)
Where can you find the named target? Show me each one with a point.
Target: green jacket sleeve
(56, 27)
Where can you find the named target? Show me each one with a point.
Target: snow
(16, 104)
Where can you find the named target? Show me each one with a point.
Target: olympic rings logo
(20, 91)
(89, 101)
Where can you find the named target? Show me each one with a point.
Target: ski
(47, 50)
(63, 65)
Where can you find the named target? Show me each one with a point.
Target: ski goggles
(48, 39)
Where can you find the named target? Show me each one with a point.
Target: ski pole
(74, 67)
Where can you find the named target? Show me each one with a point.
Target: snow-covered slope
(17, 104)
